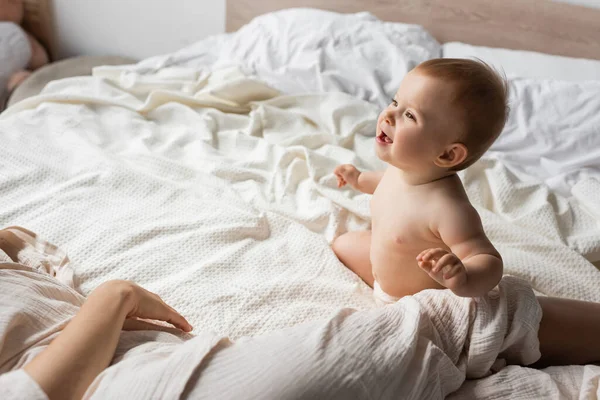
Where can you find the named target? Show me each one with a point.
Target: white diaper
(381, 297)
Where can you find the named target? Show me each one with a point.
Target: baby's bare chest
(402, 220)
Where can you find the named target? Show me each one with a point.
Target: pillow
(309, 50)
(74, 66)
(528, 64)
(553, 132)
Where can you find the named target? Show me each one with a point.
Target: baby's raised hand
(444, 267)
(346, 173)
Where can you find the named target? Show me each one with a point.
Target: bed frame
(38, 20)
(537, 25)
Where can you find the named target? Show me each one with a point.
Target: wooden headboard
(537, 25)
(38, 20)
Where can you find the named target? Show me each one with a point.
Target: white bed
(206, 176)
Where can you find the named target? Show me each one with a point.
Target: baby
(425, 233)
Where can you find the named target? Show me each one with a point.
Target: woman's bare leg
(353, 249)
(569, 332)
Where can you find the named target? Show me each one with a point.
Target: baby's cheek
(407, 148)
(400, 143)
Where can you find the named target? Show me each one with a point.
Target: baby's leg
(353, 249)
(569, 332)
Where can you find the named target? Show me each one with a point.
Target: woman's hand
(143, 304)
(65, 369)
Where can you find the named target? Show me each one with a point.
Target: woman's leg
(354, 249)
(569, 332)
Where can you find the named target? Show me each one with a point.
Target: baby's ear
(453, 155)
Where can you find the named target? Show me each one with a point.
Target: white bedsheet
(228, 215)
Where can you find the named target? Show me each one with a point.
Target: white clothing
(381, 297)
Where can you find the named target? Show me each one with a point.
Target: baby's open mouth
(383, 138)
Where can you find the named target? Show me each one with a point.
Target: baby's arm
(365, 182)
(474, 267)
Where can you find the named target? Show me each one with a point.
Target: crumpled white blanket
(551, 136)
(304, 50)
(218, 194)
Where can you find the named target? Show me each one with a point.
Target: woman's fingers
(168, 314)
(151, 306)
(134, 324)
(178, 321)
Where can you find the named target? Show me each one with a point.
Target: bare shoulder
(454, 211)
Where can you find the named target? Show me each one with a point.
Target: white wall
(134, 28)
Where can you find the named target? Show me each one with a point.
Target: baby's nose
(389, 117)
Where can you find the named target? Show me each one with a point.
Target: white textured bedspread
(218, 194)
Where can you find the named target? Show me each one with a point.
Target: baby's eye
(409, 115)
(394, 102)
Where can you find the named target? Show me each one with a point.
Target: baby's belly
(396, 270)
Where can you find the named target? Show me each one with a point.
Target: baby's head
(445, 115)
